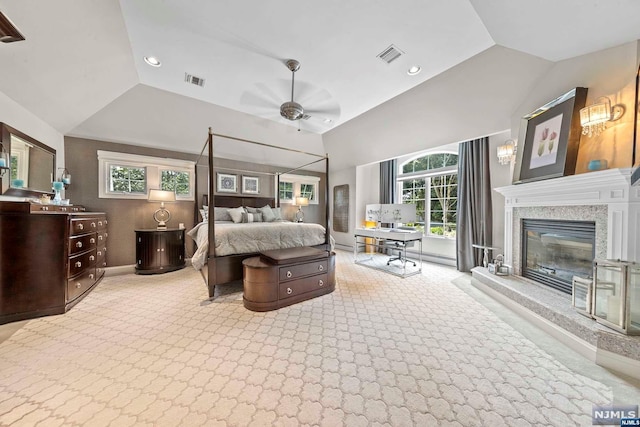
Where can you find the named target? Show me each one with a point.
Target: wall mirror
(32, 164)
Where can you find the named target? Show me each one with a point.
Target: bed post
(211, 256)
(327, 233)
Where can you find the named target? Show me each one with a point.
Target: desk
(388, 234)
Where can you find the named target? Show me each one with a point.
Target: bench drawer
(303, 285)
(293, 272)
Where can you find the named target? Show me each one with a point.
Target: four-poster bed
(224, 257)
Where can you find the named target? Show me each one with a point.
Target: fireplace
(553, 251)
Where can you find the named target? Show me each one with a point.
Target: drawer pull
(105, 222)
(289, 291)
(158, 250)
(100, 238)
(91, 276)
(80, 226)
(92, 240)
(78, 285)
(91, 258)
(320, 267)
(289, 274)
(78, 244)
(100, 223)
(320, 282)
(93, 224)
(78, 264)
(99, 253)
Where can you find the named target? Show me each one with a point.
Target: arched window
(431, 182)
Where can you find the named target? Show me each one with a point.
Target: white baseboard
(618, 363)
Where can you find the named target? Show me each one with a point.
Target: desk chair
(400, 247)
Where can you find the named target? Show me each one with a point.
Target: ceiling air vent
(305, 117)
(390, 54)
(8, 32)
(194, 80)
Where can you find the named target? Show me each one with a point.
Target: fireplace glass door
(553, 251)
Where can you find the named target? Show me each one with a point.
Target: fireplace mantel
(611, 188)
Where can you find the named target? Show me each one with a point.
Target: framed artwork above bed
(250, 185)
(227, 183)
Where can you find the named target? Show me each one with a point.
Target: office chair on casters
(401, 248)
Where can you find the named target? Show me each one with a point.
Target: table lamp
(300, 202)
(161, 215)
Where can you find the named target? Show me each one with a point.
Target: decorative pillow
(251, 210)
(236, 214)
(221, 214)
(251, 217)
(267, 214)
(204, 213)
(277, 213)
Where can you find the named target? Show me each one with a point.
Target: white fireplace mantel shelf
(611, 188)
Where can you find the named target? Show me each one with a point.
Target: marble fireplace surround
(605, 197)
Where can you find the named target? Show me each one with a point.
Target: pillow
(251, 210)
(236, 214)
(221, 214)
(277, 213)
(204, 213)
(251, 217)
(267, 214)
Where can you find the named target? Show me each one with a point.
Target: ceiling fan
(323, 111)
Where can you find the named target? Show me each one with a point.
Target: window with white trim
(131, 176)
(431, 182)
(292, 186)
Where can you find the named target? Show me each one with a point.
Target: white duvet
(246, 238)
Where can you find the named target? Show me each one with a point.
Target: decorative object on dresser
(159, 251)
(300, 202)
(162, 215)
(282, 277)
(50, 258)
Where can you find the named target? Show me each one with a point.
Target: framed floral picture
(550, 136)
(251, 185)
(227, 183)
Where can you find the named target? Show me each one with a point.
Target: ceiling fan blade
(253, 100)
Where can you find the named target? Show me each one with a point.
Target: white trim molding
(609, 188)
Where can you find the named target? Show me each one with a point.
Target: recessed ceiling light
(414, 70)
(152, 60)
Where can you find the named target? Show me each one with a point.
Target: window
(176, 181)
(125, 179)
(431, 182)
(286, 191)
(292, 186)
(129, 176)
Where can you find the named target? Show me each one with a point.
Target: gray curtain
(474, 221)
(388, 173)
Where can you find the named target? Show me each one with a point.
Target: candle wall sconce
(65, 177)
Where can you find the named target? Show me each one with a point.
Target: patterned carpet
(380, 350)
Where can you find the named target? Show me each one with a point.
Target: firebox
(553, 251)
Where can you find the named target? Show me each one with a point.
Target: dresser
(282, 277)
(50, 258)
(159, 251)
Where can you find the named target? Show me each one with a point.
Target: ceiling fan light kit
(292, 110)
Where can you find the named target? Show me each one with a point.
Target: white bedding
(246, 238)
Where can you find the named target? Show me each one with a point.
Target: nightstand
(159, 251)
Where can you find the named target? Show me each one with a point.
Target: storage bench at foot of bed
(283, 277)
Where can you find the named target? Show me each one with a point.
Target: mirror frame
(5, 140)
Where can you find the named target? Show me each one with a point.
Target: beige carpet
(380, 350)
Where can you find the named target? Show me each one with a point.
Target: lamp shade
(302, 201)
(161, 196)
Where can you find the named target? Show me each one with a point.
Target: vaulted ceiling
(81, 68)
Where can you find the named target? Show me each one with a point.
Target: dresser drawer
(79, 284)
(82, 243)
(303, 285)
(83, 226)
(293, 272)
(102, 223)
(78, 263)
